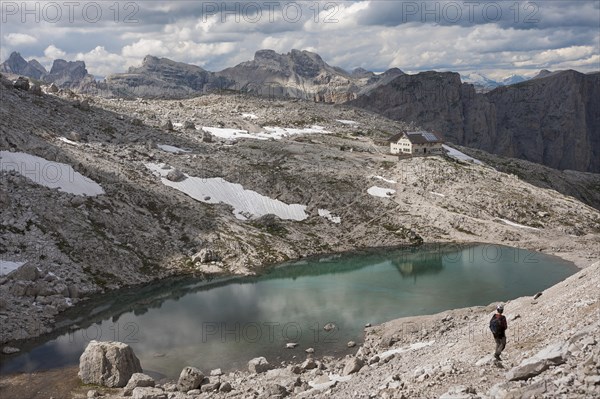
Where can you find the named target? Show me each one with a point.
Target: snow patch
(228, 134)
(451, 152)
(327, 215)
(508, 222)
(249, 116)
(415, 346)
(380, 192)
(438, 194)
(178, 124)
(246, 203)
(384, 179)
(275, 133)
(172, 149)
(49, 174)
(7, 266)
(71, 142)
(347, 122)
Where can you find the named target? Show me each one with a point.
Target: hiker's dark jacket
(502, 326)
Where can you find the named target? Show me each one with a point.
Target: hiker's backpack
(495, 325)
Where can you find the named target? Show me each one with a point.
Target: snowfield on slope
(246, 203)
(48, 173)
(453, 153)
(171, 149)
(275, 133)
(7, 266)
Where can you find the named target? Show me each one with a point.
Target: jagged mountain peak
(18, 65)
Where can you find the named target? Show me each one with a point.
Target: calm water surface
(225, 322)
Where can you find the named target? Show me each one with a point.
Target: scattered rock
(328, 327)
(27, 272)
(310, 350)
(551, 355)
(138, 380)
(189, 125)
(9, 350)
(258, 365)
(190, 378)
(291, 345)
(84, 105)
(225, 387)
(176, 175)
(110, 364)
(216, 372)
(21, 83)
(149, 393)
(168, 125)
(460, 392)
(52, 88)
(308, 364)
(206, 255)
(210, 387)
(207, 137)
(74, 136)
(351, 344)
(36, 89)
(536, 296)
(352, 366)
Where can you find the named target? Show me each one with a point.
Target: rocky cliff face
(553, 119)
(69, 74)
(17, 65)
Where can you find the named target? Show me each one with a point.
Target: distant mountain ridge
(66, 74)
(483, 83)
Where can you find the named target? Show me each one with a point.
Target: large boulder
(110, 364)
(258, 365)
(190, 378)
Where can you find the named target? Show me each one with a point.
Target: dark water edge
(383, 279)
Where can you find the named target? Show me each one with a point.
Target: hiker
(498, 326)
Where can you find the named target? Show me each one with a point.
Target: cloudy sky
(497, 38)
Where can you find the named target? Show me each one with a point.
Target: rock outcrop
(553, 119)
(109, 364)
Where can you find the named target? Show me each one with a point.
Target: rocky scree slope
(141, 230)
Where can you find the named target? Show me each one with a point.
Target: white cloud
(144, 47)
(365, 34)
(52, 52)
(19, 39)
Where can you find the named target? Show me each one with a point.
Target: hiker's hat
(500, 307)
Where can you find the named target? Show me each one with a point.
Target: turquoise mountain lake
(223, 323)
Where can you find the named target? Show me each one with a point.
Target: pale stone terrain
(141, 230)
